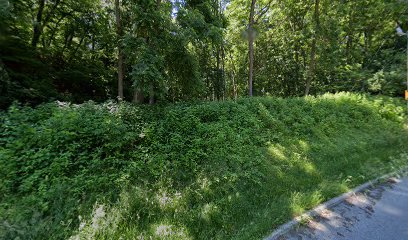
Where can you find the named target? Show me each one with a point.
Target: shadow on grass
(236, 170)
(323, 149)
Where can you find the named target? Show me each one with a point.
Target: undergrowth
(219, 170)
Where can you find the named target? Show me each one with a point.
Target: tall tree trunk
(119, 32)
(207, 69)
(151, 93)
(151, 83)
(138, 96)
(218, 87)
(348, 48)
(38, 24)
(312, 66)
(298, 70)
(251, 46)
(349, 38)
(224, 81)
(234, 85)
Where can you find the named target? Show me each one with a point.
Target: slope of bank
(224, 170)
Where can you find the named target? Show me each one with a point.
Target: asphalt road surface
(379, 213)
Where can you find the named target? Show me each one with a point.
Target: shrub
(207, 170)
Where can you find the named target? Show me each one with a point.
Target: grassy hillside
(228, 170)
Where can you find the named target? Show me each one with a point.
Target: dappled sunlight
(169, 231)
(107, 219)
(316, 226)
(97, 215)
(358, 200)
(328, 214)
(234, 196)
(123, 217)
(167, 200)
(332, 189)
(304, 145)
(302, 201)
(209, 210)
(309, 168)
(99, 221)
(204, 184)
(277, 151)
(303, 170)
(207, 171)
(289, 151)
(293, 155)
(335, 98)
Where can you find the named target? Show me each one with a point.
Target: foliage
(355, 41)
(197, 49)
(228, 170)
(191, 170)
(66, 50)
(60, 55)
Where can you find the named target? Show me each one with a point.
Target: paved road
(380, 213)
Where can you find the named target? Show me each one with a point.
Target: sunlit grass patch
(300, 202)
(168, 231)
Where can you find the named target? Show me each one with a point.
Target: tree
(312, 66)
(251, 45)
(119, 32)
(77, 50)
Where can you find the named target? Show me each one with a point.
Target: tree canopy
(150, 51)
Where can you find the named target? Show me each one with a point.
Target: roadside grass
(228, 170)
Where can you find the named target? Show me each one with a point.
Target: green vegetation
(96, 166)
(157, 51)
(216, 170)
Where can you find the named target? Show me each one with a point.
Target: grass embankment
(230, 170)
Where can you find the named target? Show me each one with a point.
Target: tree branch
(263, 11)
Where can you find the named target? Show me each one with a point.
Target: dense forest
(149, 51)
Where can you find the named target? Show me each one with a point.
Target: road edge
(329, 204)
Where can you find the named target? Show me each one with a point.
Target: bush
(209, 170)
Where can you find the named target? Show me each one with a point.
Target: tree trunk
(218, 87)
(37, 24)
(151, 93)
(224, 81)
(251, 46)
(349, 39)
(234, 86)
(312, 67)
(138, 96)
(119, 33)
(151, 84)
